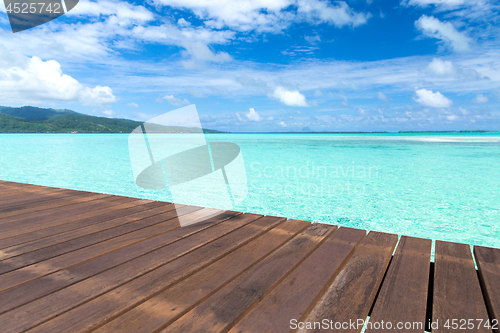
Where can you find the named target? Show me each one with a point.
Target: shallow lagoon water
(438, 186)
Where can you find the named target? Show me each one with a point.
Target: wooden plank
(142, 206)
(221, 310)
(85, 207)
(9, 187)
(22, 227)
(11, 183)
(17, 184)
(161, 224)
(6, 194)
(457, 293)
(38, 198)
(17, 213)
(351, 294)
(193, 251)
(21, 200)
(488, 264)
(141, 213)
(172, 303)
(403, 297)
(297, 294)
(121, 265)
(65, 207)
(24, 186)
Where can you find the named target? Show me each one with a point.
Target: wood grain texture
(298, 293)
(155, 272)
(457, 293)
(220, 311)
(94, 209)
(403, 297)
(351, 294)
(55, 204)
(65, 227)
(109, 221)
(80, 261)
(36, 199)
(161, 310)
(121, 265)
(488, 264)
(12, 278)
(58, 207)
(27, 254)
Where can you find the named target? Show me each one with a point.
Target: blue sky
(266, 65)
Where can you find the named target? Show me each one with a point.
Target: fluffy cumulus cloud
(290, 97)
(268, 15)
(33, 80)
(173, 100)
(440, 67)
(432, 99)
(444, 31)
(338, 15)
(110, 26)
(446, 69)
(122, 10)
(253, 115)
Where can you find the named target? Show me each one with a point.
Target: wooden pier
(73, 261)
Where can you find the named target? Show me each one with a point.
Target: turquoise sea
(438, 186)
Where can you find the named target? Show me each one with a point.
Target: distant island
(30, 119)
(467, 131)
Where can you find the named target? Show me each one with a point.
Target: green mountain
(29, 119)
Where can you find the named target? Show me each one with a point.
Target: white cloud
(447, 69)
(173, 100)
(121, 9)
(243, 15)
(133, 105)
(111, 26)
(313, 39)
(282, 124)
(432, 99)
(268, 15)
(382, 97)
(194, 40)
(109, 113)
(480, 99)
(440, 67)
(290, 98)
(32, 80)
(444, 31)
(424, 3)
(339, 15)
(253, 115)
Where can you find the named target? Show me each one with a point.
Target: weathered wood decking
(75, 261)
